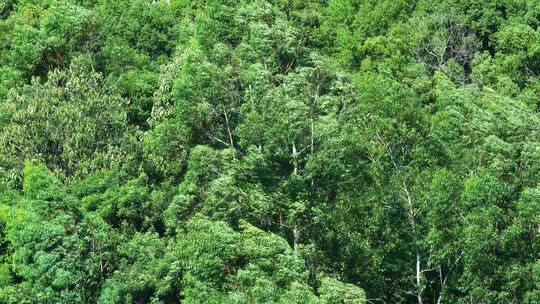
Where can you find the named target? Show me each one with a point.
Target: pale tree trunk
(418, 278)
(295, 158)
(412, 219)
(439, 297)
(296, 237)
(443, 279)
(231, 142)
(311, 146)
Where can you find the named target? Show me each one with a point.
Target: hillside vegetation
(270, 151)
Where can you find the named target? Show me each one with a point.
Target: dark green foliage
(269, 151)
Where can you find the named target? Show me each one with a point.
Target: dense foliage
(270, 151)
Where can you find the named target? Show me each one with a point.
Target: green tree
(72, 122)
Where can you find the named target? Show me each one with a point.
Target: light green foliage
(253, 266)
(269, 151)
(71, 122)
(334, 291)
(140, 273)
(56, 255)
(44, 35)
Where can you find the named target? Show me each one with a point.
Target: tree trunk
(312, 148)
(418, 276)
(412, 218)
(295, 158)
(231, 142)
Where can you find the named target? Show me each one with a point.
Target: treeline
(269, 151)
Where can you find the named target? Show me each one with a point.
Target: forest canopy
(270, 151)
